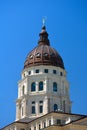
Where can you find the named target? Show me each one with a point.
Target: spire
(43, 37)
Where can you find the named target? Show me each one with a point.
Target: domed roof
(43, 54)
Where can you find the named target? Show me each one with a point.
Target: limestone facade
(55, 92)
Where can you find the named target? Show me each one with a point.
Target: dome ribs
(43, 54)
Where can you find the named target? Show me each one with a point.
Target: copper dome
(43, 54)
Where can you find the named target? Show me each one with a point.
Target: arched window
(55, 107)
(39, 126)
(23, 90)
(54, 87)
(33, 86)
(40, 86)
(33, 110)
(44, 124)
(41, 106)
(49, 122)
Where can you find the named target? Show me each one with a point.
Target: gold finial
(44, 20)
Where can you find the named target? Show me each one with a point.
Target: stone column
(37, 126)
(45, 107)
(46, 122)
(46, 84)
(18, 107)
(52, 122)
(37, 108)
(41, 124)
(25, 107)
(36, 86)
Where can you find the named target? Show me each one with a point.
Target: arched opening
(40, 86)
(55, 107)
(44, 124)
(33, 86)
(54, 87)
(33, 110)
(39, 126)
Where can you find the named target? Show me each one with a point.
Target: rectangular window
(46, 71)
(40, 86)
(39, 126)
(49, 122)
(37, 71)
(33, 109)
(33, 102)
(54, 87)
(61, 74)
(41, 109)
(44, 124)
(54, 71)
(40, 101)
(58, 121)
(29, 72)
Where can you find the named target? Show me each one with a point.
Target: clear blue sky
(20, 24)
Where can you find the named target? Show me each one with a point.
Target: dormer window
(52, 55)
(31, 56)
(38, 55)
(45, 54)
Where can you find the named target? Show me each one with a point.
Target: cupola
(43, 53)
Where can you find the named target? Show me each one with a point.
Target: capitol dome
(43, 53)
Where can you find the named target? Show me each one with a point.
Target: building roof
(43, 53)
(75, 119)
